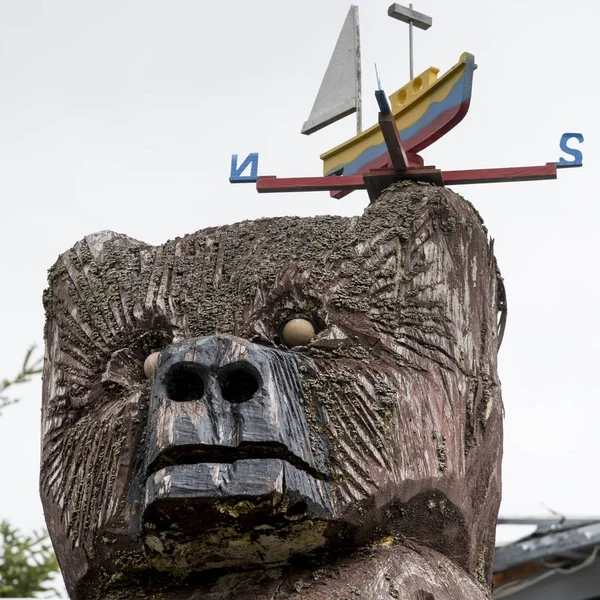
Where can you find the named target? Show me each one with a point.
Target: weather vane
(410, 119)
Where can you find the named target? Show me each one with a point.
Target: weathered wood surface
(501, 175)
(398, 572)
(368, 459)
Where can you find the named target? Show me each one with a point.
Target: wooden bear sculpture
(284, 408)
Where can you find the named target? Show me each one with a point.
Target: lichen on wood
(373, 451)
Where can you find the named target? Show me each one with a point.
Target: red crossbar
(310, 184)
(508, 174)
(349, 183)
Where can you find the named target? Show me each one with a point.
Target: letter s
(576, 154)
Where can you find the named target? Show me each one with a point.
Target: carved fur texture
(387, 425)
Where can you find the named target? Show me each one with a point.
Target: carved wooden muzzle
(228, 435)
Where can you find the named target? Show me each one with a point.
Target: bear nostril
(184, 383)
(238, 382)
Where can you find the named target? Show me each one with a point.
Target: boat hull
(436, 106)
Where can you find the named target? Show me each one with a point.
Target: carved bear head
(256, 392)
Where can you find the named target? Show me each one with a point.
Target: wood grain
(500, 175)
(373, 452)
(396, 150)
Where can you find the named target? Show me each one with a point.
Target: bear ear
(96, 241)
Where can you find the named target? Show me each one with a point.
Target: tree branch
(29, 369)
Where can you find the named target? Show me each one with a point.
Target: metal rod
(359, 107)
(410, 45)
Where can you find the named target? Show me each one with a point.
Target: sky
(123, 115)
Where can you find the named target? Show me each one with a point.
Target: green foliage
(26, 563)
(28, 370)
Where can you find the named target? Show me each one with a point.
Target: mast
(412, 17)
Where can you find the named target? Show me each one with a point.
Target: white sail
(339, 94)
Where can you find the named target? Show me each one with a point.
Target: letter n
(236, 172)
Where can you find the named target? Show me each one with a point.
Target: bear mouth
(204, 453)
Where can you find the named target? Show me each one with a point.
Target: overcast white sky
(123, 114)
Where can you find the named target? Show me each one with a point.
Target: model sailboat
(424, 109)
(410, 119)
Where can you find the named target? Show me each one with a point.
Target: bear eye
(297, 330)
(151, 364)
